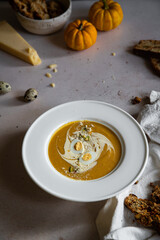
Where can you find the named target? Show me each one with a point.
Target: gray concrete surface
(26, 211)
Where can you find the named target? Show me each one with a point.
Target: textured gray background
(26, 211)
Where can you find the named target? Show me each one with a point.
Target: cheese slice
(13, 43)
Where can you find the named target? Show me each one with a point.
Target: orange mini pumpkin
(80, 35)
(105, 15)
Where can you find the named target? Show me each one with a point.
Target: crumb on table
(136, 100)
(55, 70)
(48, 75)
(52, 66)
(52, 85)
(136, 182)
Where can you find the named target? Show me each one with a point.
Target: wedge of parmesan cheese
(13, 43)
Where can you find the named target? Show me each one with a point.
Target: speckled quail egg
(4, 87)
(87, 158)
(30, 95)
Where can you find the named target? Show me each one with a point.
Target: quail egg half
(87, 158)
(30, 95)
(76, 146)
(4, 87)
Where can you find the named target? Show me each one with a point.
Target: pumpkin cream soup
(84, 150)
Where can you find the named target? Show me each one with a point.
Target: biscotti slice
(145, 211)
(148, 48)
(155, 195)
(156, 65)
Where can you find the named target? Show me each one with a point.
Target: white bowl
(133, 160)
(46, 26)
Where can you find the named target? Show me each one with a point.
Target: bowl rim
(45, 20)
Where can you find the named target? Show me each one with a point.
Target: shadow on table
(25, 205)
(147, 61)
(7, 14)
(13, 173)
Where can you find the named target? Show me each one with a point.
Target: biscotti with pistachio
(146, 212)
(156, 65)
(148, 48)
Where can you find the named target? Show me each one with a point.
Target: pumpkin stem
(105, 4)
(80, 27)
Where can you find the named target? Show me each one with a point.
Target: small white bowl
(47, 26)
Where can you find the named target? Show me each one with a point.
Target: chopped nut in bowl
(42, 16)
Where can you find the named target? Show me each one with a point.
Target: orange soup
(84, 150)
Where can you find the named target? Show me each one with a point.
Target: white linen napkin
(115, 221)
